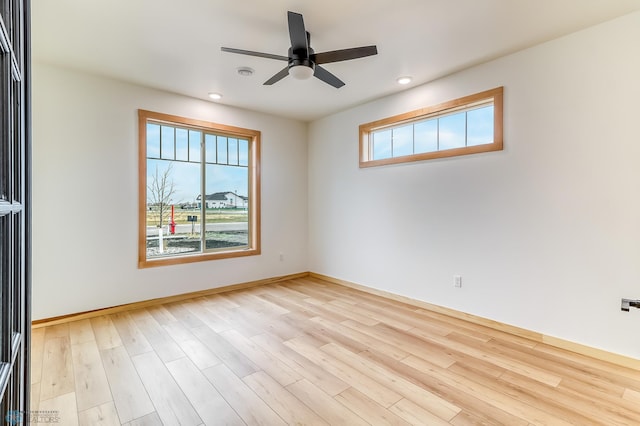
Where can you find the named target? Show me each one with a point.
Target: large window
(199, 190)
(463, 126)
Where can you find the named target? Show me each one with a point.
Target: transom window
(464, 126)
(199, 190)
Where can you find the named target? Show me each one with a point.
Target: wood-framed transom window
(467, 125)
(199, 190)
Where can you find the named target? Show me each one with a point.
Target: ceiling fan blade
(344, 54)
(252, 53)
(327, 77)
(297, 34)
(277, 77)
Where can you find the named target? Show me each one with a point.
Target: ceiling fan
(303, 62)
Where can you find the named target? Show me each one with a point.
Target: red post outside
(172, 224)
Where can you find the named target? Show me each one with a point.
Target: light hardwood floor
(308, 352)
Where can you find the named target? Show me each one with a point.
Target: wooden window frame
(496, 95)
(253, 136)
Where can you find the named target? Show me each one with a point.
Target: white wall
(546, 234)
(85, 195)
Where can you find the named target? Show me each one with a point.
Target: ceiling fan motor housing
(301, 58)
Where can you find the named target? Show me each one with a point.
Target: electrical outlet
(457, 281)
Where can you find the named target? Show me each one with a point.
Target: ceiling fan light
(301, 72)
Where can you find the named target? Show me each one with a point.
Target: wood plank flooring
(308, 352)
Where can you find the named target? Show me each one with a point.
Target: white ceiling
(174, 45)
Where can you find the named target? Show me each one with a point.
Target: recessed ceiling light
(245, 71)
(404, 80)
(215, 96)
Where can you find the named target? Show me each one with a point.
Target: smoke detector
(245, 71)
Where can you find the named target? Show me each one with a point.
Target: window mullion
(203, 194)
(413, 138)
(160, 150)
(438, 134)
(392, 142)
(466, 128)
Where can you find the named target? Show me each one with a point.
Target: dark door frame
(15, 211)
